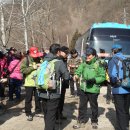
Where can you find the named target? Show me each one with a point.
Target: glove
(114, 81)
(4, 80)
(91, 81)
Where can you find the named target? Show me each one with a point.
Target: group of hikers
(46, 76)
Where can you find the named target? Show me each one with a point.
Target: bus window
(104, 38)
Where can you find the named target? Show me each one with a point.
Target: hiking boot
(79, 125)
(94, 125)
(29, 118)
(38, 111)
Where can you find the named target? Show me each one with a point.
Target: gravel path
(15, 119)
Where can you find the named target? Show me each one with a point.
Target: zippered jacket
(3, 67)
(91, 70)
(28, 71)
(16, 74)
(113, 73)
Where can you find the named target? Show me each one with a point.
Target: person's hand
(3, 80)
(34, 66)
(38, 65)
(75, 77)
(91, 81)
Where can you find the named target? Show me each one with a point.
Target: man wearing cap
(28, 67)
(121, 95)
(93, 74)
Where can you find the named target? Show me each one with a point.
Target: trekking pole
(75, 90)
(59, 114)
(60, 85)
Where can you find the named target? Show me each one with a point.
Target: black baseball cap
(64, 49)
(12, 49)
(90, 51)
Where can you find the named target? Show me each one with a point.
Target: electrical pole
(125, 16)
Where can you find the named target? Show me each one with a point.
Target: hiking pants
(65, 85)
(50, 107)
(122, 104)
(28, 100)
(109, 95)
(15, 87)
(62, 100)
(86, 97)
(2, 89)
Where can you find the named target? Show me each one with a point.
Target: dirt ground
(14, 118)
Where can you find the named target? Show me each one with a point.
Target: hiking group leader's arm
(61, 70)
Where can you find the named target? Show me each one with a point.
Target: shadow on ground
(111, 115)
(70, 109)
(11, 109)
(10, 113)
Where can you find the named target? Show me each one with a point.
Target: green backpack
(45, 78)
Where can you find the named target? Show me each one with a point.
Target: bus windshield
(104, 38)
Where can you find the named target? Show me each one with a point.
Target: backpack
(125, 80)
(45, 77)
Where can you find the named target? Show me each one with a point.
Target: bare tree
(5, 29)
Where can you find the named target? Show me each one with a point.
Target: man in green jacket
(92, 74)
(29, 67)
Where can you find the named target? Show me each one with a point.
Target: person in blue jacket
(121, 94)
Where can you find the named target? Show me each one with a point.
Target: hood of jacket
(50, 57)
(120, 55)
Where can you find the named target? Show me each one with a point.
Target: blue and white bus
(102, 36)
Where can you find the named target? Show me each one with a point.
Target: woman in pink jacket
(15, 78)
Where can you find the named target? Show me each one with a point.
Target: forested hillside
(42, 22)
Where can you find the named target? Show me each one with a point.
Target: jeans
(86, 97)
(15, 87)
(122, 104)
